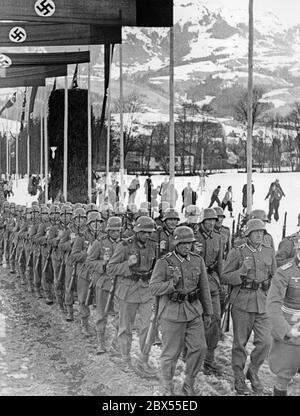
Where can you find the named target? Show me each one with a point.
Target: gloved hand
(247, 265)
(162, 245)
(132, 260)
(294, 331)
(176, 275)
(207, 321)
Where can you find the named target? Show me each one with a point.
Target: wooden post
(28, 146)
(89, 121)
(121, 129)
(250, 111)
(108, 92)
(65, 168)
(46, 142)
(7, 147)
(171, 131)
(41, 140)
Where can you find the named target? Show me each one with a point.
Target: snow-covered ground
(290, 183)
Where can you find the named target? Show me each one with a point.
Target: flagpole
(108, 124)
(89, 121)
(17, 159)
(250, 111)
(65, 168)
(46, 142)
(6, 134)
(121, 128)
(171, 131)
(28, 147)
(41, 140)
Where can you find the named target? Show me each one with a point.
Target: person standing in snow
(227, 200)
(215, 197)
(275, 194)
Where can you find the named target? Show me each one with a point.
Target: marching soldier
(20, 247)
(162, 207)
(13, 239)
(29, 250)
(180, 280)
(97, 259)
(10, 224)
(43, 272)
(283, 309)
(55, 256)
(286, 249)
(209, 246)
(77, 256)
(3, 218)
(132, 263)
(249, 268)
(170, 221)
(94, 229)
(223, 231)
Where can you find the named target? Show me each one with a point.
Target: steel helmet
(183, 234)
(254, 225)
(79, 212)
(145, 224)
(258, 214)
(77, 205)
(170, 214)
(93, 216)
(54, 209)
(220, 212)
(34, 203)
(114, 224)
(66, 209)
(44, 210)
(192, 213)
(163, 206)
(120, 209)
(91, 207)
(142, 212)
(209, 214)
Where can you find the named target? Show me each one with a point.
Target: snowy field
(290, 183)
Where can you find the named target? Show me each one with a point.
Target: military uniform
(248, 299)
(56, 258)
(181, 322)
(224, 232)
(29, 249)
(286, 249)
(21, 262)
(212, 253)
(283, 309)
(133, 290)
(45, 274)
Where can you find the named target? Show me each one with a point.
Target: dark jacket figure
(275, 194)
(244, 202)
(148, 188)
(215, 197)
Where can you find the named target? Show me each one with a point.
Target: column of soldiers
(123, 263)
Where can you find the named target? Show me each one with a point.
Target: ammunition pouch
(180, 297)
(143, 276)
(255, 285)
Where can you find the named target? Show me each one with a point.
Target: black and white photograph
(149, 200)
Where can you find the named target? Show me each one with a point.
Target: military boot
(256, 384)
(61, 305)
(101, 348)
(85, 327)
(168, 388)
(23, 280)
(48, 301)
(126, 364)
(38, 293)
(210, 366)
(277, 392)
(70, 315)
(241, 386)
(143, 368)
(188, 389)
(115, 348)
(30, 287)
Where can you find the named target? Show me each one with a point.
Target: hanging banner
(148, 13)
(30, 34)
(37, 71)
(21, 82)
(59, 58)
(101, 12)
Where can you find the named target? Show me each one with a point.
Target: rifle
(90, 294)
(111, 293)
(47, 262)
(284, 226)
(153, 318)
(74, 273)
(225, 323)
(22, 253)
(232, 233)
(38, 261)
(13, 252)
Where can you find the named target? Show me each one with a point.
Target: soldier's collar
(140, 244)
(254, 248)
(206, 234)
(180, 258)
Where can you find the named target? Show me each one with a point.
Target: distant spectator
(275, 194)
(227, 200)
(41, 197)
(215, 197)
(148, 188)
(189, 196)
(132, 189)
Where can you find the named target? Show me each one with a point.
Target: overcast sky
(286, 10)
